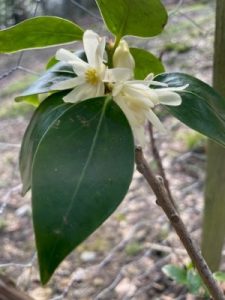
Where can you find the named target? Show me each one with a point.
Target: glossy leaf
(48, 111)
(81, 172)
(178, 274)
(57, 72)
(202, 108)
(194, 282)
(39, 32)
(142, 18)
(145, 63)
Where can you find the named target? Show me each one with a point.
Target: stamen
(91, 76)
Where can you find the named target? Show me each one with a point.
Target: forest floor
(123, 259)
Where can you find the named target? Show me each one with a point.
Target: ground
(123, 259)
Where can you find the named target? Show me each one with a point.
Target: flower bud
(122, 57)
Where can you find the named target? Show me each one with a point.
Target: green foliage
(202, 108)
(76, 181)
(186, 276)
(145, 63)
(142, 18)
(178, 274)
(194, 282)
(219, 276)
(52, 61)
(43, 85)
(44, 116)
(56, 72)
(78, 158)
(39, 32)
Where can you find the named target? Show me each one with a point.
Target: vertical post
(214, 210)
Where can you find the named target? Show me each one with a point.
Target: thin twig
(121, 245)
(158, 160)
(7, 196)
(109, 288)
(157, 266)
(8, 73)
(19, 265)
(18, 66)
(177, 8)
(86, 10)
(164, 202)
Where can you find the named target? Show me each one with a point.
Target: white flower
(122, 57)
(94, 79)
(90, 75)
(137, 99)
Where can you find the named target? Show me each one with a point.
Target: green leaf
(202, 108)
(194, 282)
(39, 32)
(178, 274)
(48, 111)
(142, 18)
(52, 61)
(145, 63)
(57, 72)
(82, 169)
(219, 276)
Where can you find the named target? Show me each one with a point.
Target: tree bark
(214, 211)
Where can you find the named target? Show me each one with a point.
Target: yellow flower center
(91, 76)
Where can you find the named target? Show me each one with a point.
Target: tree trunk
(214, 211)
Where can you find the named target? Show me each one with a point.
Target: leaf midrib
(90, 154)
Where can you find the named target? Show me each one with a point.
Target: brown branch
(164, 202)
(158, 160)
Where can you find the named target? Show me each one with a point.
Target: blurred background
(124, 258)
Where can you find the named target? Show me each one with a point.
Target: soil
(123, 259)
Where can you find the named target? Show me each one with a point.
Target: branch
(158, 160)
(164, 202)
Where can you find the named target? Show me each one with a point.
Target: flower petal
(80, 93)
(83, 92)
(149, 77)
(141, 93)
(157, 83)
(93, 47)
(100, 89)
(79, 66)
(99, 57)
(122, 57)
(155, 121)
(117, 89)
(174, 89)
(118, 75)
(68, 84)
(139, 135)
(168, 97)
(64, 55)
